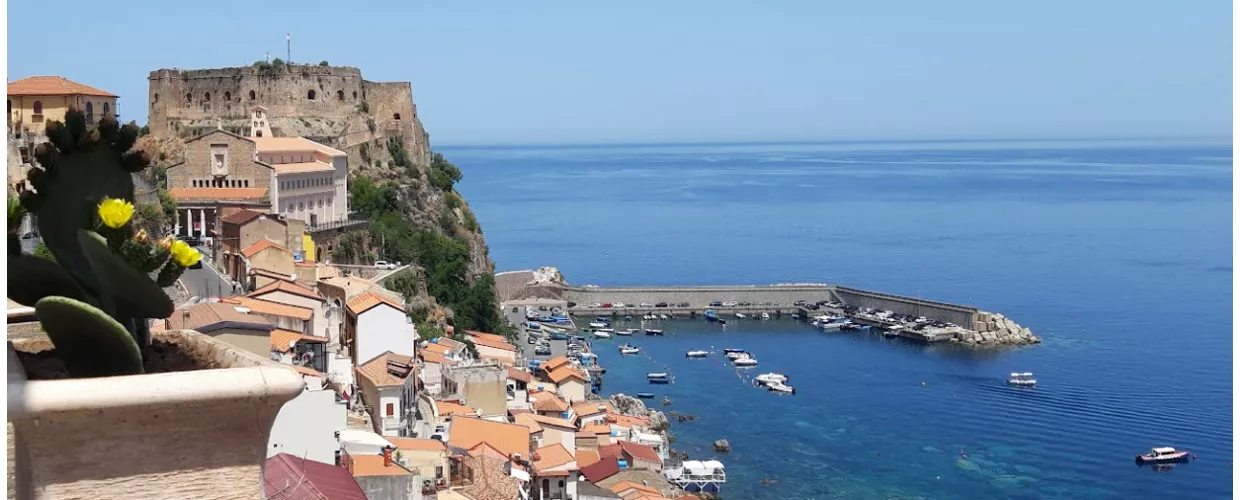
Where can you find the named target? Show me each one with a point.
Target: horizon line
(1223, 139)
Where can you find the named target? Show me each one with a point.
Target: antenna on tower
(288, 38)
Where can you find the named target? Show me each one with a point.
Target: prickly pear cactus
(95, 298)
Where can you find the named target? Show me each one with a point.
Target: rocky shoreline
(1001, 331)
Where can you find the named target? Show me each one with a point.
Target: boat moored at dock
(654, 331)
(695, 476)
(645, 395)
(781, 388)
(629, 349)
(602, 334)
(770, 378)
(745, 359)
(626, 332)
(1163, 455)
(696, 354)
(711, 316)
(595, 324)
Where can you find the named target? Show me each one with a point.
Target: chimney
(387, 456)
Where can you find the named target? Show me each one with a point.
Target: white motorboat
(735, 354)
(745, 360)
(627, 332)
(740, 316)
(628, 349)
(1022, 379)
(781, 387)
(650, 317)
(772, 378)
(663, 316)
(598, 325)
(696, 354)
(766, 316)
(1162, 455)
(602, 334)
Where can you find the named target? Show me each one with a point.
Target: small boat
(745, 360)
(771, 378)
(740, 316)
(602, 334)
(1022, 379)
(723, 321)
(654, 331)
(629, 349)
(796, 316)
(711, 316)
(667, 401)
(696, 354)
(658, 378)
(626, 333)
(663, 316)
(781, 387)
(734, 355)
(645, 395)
(628, 317)
(766, 316)
(598, 325)
(1162, 456)
(891, 332)
(731, 351)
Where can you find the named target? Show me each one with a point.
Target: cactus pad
(87, 340)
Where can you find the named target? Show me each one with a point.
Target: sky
(564, 72)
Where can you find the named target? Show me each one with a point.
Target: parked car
(542, 351)
(730, 304)
(661, 304)
(620, 305)
(607, 305)
(683, 304)
(559, 336)
(383, 264)
(572, 304)
(716, 304)
(531, 340)
(596, 304)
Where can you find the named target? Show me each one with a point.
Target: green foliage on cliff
(396, 148)
(445, 259)
(323, 63)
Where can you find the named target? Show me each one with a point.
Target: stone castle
(331, 105)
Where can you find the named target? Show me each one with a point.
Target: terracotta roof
(288, 144)
(597, 429)
(211, 316)
(53, 85)
(302, 167)
(548, 401)
(268, 307)
(447, 342)
(372, 465)
(494, 344)
(270, 274)
(609, 451)
(448, 407)
(688, 497)
(192, 193)
(544, 420)
(287, 477)
(306, 371)
(417, 444)
(628, 420)
(354, 286)
(600, 470)
(489, 336)
(507, 438)
(640, 451)
(564, 373)
(434, 357)
(376, 370)
(588, 408)
(434, 348)
(585, 458)
(368, 300)
(288, 287)
(626, 485)
(527, 419)
(551, 456)
(554, 363)
(260, 246)
(491, 481)
(520, 375)
(240, 217)
(280, 339)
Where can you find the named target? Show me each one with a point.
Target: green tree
(323, 63)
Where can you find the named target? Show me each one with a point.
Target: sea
(1117, 253)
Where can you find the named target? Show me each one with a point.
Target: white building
(307, 425)
(386, 383)
(375, 324)
(311, 180)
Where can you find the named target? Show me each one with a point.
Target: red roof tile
(189, 193)
(600, 470)
(240, 217)
(280, 339)
(288, 287)
(53, 85)
(260, 246)
(640, 451)
(366, 301)
(287, 477)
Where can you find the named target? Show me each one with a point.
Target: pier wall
(698, 297)
(961, 315)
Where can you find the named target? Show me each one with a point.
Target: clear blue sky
(543, 71)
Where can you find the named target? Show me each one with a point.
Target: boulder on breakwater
(722, 445)
(998, 331)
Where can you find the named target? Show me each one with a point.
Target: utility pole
(288, 38)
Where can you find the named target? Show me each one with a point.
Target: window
(252, 95)
(245, 183)
(310, 95)
(107, 109)
(38, 107)
(90, 109)
(395, 116)
(340, 95)
(206, 96)
(438, 472)
(189, 97)
(260, 133)
(156, 99)
(227, 96)
(391, 409)
(289, 208)
(546, 485)
(561, 484)
(355, 94)
(301, 207)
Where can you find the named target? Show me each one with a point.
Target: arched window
(310, 95)
(38, 107)
(156, 98)
(395, 116)
(259, 133)
(340, 95)
(355, 94)
(90, 110)
(206, 96)
(107, 109)
(189, 97)
(228, 96)
(251, 95)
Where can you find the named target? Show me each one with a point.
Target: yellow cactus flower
(115, 213)
(183, 254)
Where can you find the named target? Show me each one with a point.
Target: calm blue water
(1119, 255)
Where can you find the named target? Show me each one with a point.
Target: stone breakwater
(631, 406)
(999, 331)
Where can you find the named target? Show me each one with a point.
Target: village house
(430, 371)
(517, 389)
(570, 383)
(283, 316)
(556, 431)
(448, 348)
(480, 386)
(242, 229)
(311, 180)
(536, 430)
(324, 318)
(555, 473)
(299, 349)
(427, 457)
(381, 477)
(291, 477)
(267, 255)
(376, 323)
(549, 404)
(510, 440)
(589, 413)
(387, 388)
(36, 100)
(225, 322)
(494, 347)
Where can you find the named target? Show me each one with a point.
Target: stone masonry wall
(241, 164)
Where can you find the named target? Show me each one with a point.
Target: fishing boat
(711, 316)
(1022, 379)
(1162, 455)
(696, 354)
(723, 321)
(658, 378)
(650, 317)
(781, 387)
(766, 316)
(745, 360)
(771, 378)
(602, 334)
(629, 349)
(645, 395)
(627, 332)
(654, 331)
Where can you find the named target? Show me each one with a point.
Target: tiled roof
(588, 408)
(491, 480)
(280, 339)
(551, 456)
(203, 317)
(306, 371)
(354, 286)
(548, 401)
(270, 274)
(53, 85)
(554, 363)
(449, 343)
(507, 438)
(366, 301)
(489, 336)
(494, 344)
(585, 458)
(564, 373)
(439, 349)
(640, 451)
(376, 370)
(609, 451)
(290, 144)
(597, 429)
(544, 420)
(260, 246)
(628, 420)
(417, 444)
(240, 217)
(302, 167)
(626, 485)
(527, 419)
(448, 407)
(372, 465)
(520, 375)
(600, 470)
(287, 477)
(268, 307)
(434, 357)
(192, 193)
(288, 287)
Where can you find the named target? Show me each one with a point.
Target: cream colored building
(36, 100)
(311, 180)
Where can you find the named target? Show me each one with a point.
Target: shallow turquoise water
(1118, 255)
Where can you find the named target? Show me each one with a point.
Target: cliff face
(376, 123)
